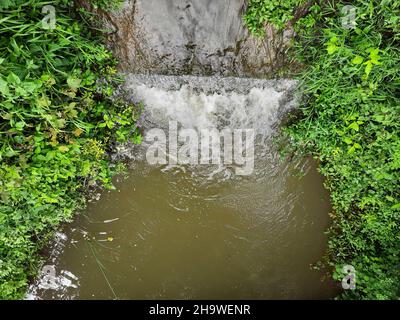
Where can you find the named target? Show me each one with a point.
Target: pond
(200, 231)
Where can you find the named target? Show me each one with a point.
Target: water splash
(212, 103)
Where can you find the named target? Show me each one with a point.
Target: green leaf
(29, 86)
(347, 140)
(13, 78)
(20, 125)
(332, 48)
(351, 150)
(74, 83)
(110, 124)
(63, 148)
(43, 102)
(374, 54)
(354, 126)
(357, 60)
(3, 87)
(10, 153)
(368, 67)
(137, 139)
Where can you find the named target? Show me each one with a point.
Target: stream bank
(195, 230)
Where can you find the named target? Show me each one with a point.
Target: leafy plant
(276, 12)
(58, 119)
(349, 122)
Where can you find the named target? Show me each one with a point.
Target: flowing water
(194, 37)
(187, 231)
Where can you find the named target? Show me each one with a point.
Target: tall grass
(57, 120)
(349, 121)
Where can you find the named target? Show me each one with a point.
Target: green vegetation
(58, 119)
(276, 12)
(349, 121)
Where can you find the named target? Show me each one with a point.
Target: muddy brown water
(193, 232)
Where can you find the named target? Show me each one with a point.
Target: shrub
(349, 122)
(58, 118)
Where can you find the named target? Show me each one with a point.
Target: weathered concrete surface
(200, 37)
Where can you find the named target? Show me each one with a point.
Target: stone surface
(200, 37)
